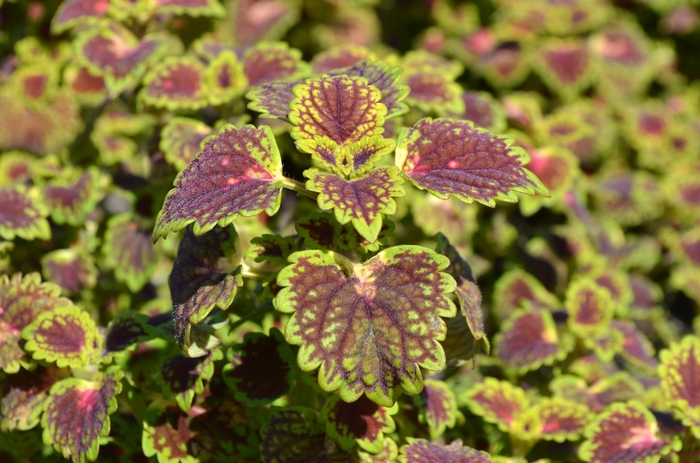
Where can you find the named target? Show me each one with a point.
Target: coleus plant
(345, 323)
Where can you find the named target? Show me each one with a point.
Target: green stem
(254, 273)
(298, 187)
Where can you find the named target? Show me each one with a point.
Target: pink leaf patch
(421, 451)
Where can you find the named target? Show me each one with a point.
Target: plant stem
(298, 187)
(254, 273)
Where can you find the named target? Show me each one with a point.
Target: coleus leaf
(339, 57)
(24, 396)
(16, 167)
(362, 200)
(388, 453)
(166, 434)
(320, 230)
(125, 330)
(483, 110)
(70, 200)
(267, 62)
(128, 250)
(35, 84)
(555, 419)
(72, 12)
(351, 319)
(590, 308)
(272, 99)
(184, 377)
(516, 288)
(467, 291)
(680, 376)
(274, 249)
(433, 91)
(181, 140)
(420, 450)
(77, 414)
(209, 8)
(260, 369)
(529, 339)
(636, 348)
(566, 66)
(205, 275)
(22, 300)
(557, 168)
(256, 20)
(294, 434)
(22, 215)
(70, 269)
(117, 55)
(424, 61)
(175, 83)
(449, 157)
(459, 343)
(66, 335)
(626, 431)
(505, 66)
(238, 172)
(224, 78)
(89, 89)
(362, 422)
(498, 402)
(438, 407)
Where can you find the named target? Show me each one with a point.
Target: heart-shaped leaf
(224, 78)
(566, 66)
(340, 57)
(362, 200)
(433, 91)
(680, 376)
(238, 172)
(497, 402)
(362, 421)
(271, 61)
(175, 83)
(77, 414)
(69, 200)
(129, 251)
(590, 308)
(369, 327)
(438, 407)
(205, 275)
(449, 157)
(22, 215)
(181, 140)
(420, 450)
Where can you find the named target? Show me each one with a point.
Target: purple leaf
(340, 57)
(433, 91)
(566, 66)
(181, 140)
(680, 380)
(24, 396)
(516, 289)
(268, 62)
(497, 402)
(421, 451)
(362, 421)
(70, 269)
(129, 251)
(224, 78)
(183, 377)
(449, 157)
(590, 308)
(238, 172)
(272, 99)
(125, 330)
(175, 83)
(70, 200)
(438, 407)
(72, 12)
(483, 110)
(555, 419)
(256, 20)
(22, 215)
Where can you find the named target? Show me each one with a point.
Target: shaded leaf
(680, 379)
(362, 421)
(256, 20)
(77, 414)
(321, 230)
(438, 407)
(274, 249)
(420, 450)
(497, 402)
(175, 83)
(24, 396)
(125, 330)
(362, 200)
(183, 377)
(360, 322)
(70, 269)
(483, 110)
(449, 157)
(261, 369)
(181, 140)
(272, 99)
(22, 215)
(271, 61)
(129, 251)
(590, 308)
(238, 172)
(70, 200)
(555, 419)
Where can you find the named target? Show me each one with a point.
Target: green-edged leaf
(362, 200)
(420, 451)
(497, 402)
(555, 419)
(88, 88)
(332, 113)
(362, 421)
(460, 344)
(238, 172)
(70, 200)
(266, 62)
(431, 90)
(528, 339)
(274, 249)
(208, 8)
(680, 379)
(17, 167)
(167, 435)
(181, 140)
(636, 348)
(184, 377)
(129, 251)
(73, 12)
(557, 168)
(483, 110)
(516, 289)
(388, 453)
(566, 66)
(261, 368)
(125, 330)
(449, 157)
(590, 308)
(467, 291)
(22, 300)
(367, 326)
(424, 61)
(70, 269)
(272, 99)
(624, 431)
(341, 56)
(293, 434)
(438, 407)
(205, 275)
(321, 231)
(66, 335)
(224, 78)
(175, 83)
(77, 414)
(506, 66)
(24, 396)
(22, 215)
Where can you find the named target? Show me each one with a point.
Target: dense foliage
(350, 230)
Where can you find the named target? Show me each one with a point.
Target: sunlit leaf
(224, 78)
(184, 377)
(362, 200)
(483, 110)
(89, 88)
(624, 431)
(181, 140)
(360, 322)
(260, 369)
(271, 61)
(36, 84)
(433, 91)
(438, 407)
(557, 168)
(362, 422)
(340, 57)
(516, 288)
(388, 453)
(69, 200)
(205, 275)
(190, 7)
(497, 402)
(555, 419)
(77, 414)
(680, 376)
(423, 61)
(506, 66)
(24, 396)
(167, 435)
(590, 308)
(129, 251)
(420, 450)
(272, 99)
(22, 215)
(254, 20)
(175, 83)
(72, 12)
(70, 269)
(238, 172)
(16, 167)
(566, 66)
